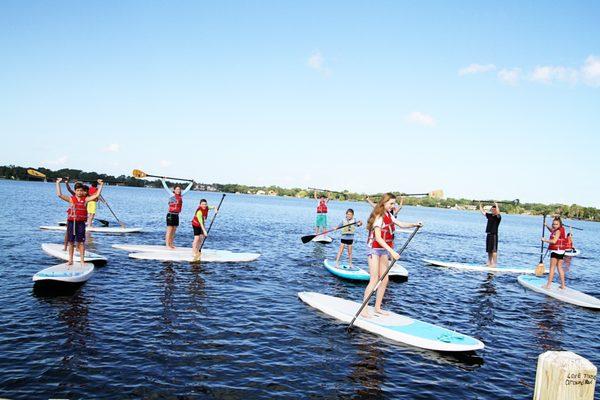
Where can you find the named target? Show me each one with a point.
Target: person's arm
(98, 192)
(482, 210)
(200, 218)
(407, 224)
(164, 183)
(373, 204)
(69, 187)
(328, 197)
(497, 208)
(59, 191)
(187, 189)
(382, 243)
(553, 239)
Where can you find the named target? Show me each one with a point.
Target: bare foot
(380, 311)
(546, 287)
(365, 313)
(563, 287)
(171, 247)
(70, 262)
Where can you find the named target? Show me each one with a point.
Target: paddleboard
(480, 267)
(63, 273)
(343, 270)
(394, 326)
(567, 295)
(150, 248)
(322, 239)
(56, 250)
(98, 229)
(188, 257)
(572, 253)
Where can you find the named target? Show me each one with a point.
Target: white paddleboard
(572, 253)
(394, 326)
(64, 273)
(480, 267)
(56, 250)
(150, 248)
(99, 229)
(189, 257)
(567, 295)
(322, 239)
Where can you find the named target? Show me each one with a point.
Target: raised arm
(497, 207)
(315, 194)
(187, 189)
(69, 187)
(482, 210)
(371, 202)
(328, 197)
(98, 192)
(164, 183)
(59, 191)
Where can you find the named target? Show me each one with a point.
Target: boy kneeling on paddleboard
(77, 216)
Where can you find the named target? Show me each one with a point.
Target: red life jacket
(195, 221)
(175, 204)
(561, 243)
(322, 207)
(387, 233)
(569, 242)
(78, 210)
(92, 190)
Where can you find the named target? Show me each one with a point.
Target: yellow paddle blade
(137, 173)
(437, 194)
(540, 269)
(35, 173)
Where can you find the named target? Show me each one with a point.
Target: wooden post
(564, 375)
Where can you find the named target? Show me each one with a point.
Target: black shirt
(492, 223)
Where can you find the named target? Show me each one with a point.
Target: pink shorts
(376, 252)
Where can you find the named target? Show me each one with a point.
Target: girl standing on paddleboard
(321, 212)
(199, 226)
(381, 227)
(175, 206)
(557, 245)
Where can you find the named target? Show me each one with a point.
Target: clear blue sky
(479, 99)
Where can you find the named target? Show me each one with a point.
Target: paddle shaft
(573, 227)
(111, 211)
(212, 222)
(514, 202)
(366, 301)
(543, 232)
(323, 190)
(168, 177)
(326, 232)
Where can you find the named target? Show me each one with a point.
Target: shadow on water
(483, 304)
(368, 372)
(549, 324)
(50, 289)
(168, 273)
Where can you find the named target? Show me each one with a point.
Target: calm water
(159, 330)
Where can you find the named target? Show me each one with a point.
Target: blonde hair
(379, 209)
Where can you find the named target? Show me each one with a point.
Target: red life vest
(322, 207)
(569, 242)
(78, 210)
(195, 221)
(387, 233)
(561, 243)
(175, 204)
(92, 190)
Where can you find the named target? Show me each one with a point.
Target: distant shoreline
(575, 212)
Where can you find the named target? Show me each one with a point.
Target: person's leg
(494, 259)
(167, 235)
(350, 255)
(339, 253)
(172, 238)
(90, 219)
(81, 247)
(66, 238)
(551, 272)
(373, 261)
(384, 262)
(561, 273)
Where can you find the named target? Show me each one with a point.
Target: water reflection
(483, 304)
(166, 299)
(550, 327)
(368, 372)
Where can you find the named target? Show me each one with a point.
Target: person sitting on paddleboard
(380, 247)
(77, 216)
(199, 226)
(347, 235)
(175, 206)
(322, 212)
(557, 246)
(491, 241)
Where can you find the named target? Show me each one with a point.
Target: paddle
(540, 269)
(330, 191)
(514, 202)
(308, 238)
(102, 199)
(573, 227)
(364, 304)
(141, 174)
(212, 222)
(435, 194)
(36, 174)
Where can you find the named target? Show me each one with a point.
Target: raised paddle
(330, 191)
(102, 199)
(573, 227)
(36, 174)
(540, 269)
(514, 202)
(137, 173)
(308, 238)
(435, 194)
(212, 222)
(364, 304)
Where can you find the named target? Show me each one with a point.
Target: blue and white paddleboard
(343, 270)
(64, 273)
(394, 326)
(480, 267)
(567, 295)
(56, 250)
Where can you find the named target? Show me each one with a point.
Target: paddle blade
(540, 269)
(437, 194)
(35, 173)
(137, 173)
(307, 238)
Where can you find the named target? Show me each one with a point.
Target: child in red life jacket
(381, 226)
(77, 216)
(557, 246)
(321, 212)
(175, 206)
(199, 226)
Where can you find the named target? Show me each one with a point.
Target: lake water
(161, 330)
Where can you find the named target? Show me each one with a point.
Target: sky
(494, 100)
